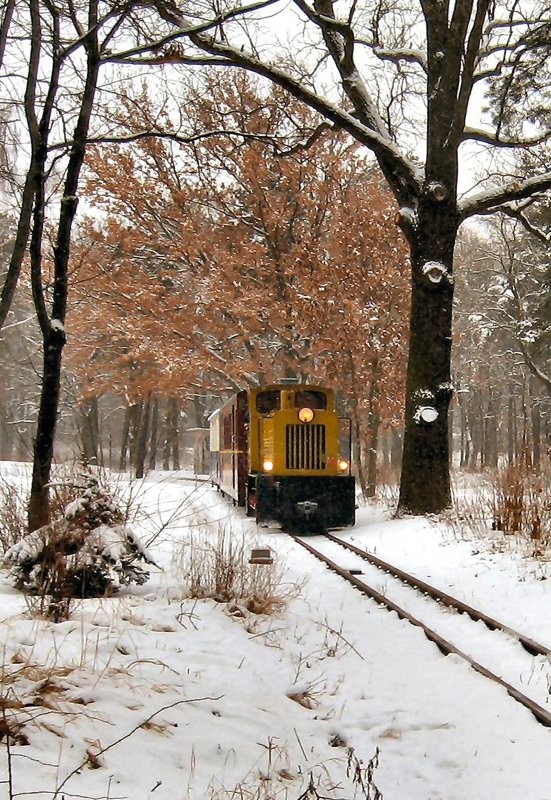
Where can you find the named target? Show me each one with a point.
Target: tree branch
(493, 199)
(535, 230)
(397, 55)
(402, 175)
(478, 135)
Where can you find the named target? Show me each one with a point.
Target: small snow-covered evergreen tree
(88, 551)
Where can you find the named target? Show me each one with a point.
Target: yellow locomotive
(283, 453)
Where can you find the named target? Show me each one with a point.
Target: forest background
(231, 232)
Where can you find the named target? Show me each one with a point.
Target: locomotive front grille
(305, 447)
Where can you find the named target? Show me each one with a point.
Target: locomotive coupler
(307, 507)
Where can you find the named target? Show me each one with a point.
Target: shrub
(88, 551)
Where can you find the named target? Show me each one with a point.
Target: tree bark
(6, 437)
(373, 424)
(141, 438)
(511, 427)
(396, 449)
(425, 485)
(490, 431)
(123, 455)
(53, 330)
(171, 448)
(39, 506)
(357, 450)
(89, 431)
(536, 436)
(154, 434)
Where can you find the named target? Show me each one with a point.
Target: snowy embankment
(152, 694)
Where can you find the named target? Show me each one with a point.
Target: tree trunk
(373, 445)
(475, 422)
(464, 433)
(171, 448)
(89, 431)
(373, 423)
(511, 427)
(6, 437)
(451, 419)
(396, 449)
(141, 438)
(39, 502)
(536, 427)
(425, 481)
(154, 434)
(125, 438)
(491, 456)
(357, 450)
(526, 453)
(175, 435)
(53, 331)
(536, 436)
(136, 410)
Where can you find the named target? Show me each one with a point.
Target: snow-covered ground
(152, 694)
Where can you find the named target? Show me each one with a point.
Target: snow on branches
(88, 551)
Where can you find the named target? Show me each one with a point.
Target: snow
(153, 694)
(409, 215)
(425, 413)
(436, 271)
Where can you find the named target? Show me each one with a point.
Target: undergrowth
(86, 551)
(217, 565)
(511, 507)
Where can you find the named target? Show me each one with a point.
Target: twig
(265, 633)
(345, 640)
(300, 744)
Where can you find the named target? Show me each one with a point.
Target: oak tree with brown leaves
(417, 84)
(233, 261)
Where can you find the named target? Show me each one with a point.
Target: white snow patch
(425, 414)
(189, 702)
(409, 215)
(436, 271)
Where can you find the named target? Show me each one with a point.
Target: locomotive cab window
(268, 401)
(314, 400)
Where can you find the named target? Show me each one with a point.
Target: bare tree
(405, 78)
(65, 47)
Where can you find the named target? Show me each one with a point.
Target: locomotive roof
(290, 387)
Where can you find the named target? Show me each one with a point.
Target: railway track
(518, 659)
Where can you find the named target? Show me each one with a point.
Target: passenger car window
(268, 401)
(310, 400)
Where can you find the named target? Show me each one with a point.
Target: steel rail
(541, 714)
(530, 645)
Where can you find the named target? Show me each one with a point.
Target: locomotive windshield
(310, 400)
(268, 401)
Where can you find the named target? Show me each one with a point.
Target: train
(283, 453)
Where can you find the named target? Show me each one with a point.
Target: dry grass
(216, 565)
(26, 690)
(13, 517)
(512, 508)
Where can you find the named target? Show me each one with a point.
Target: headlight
(267, 465)
(343, 465)
(306, 415)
